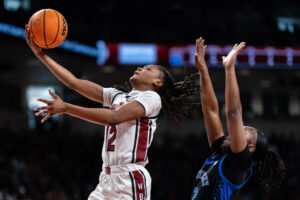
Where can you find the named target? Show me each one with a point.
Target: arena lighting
(174, 55)
(137, 54)
(33, 92)
(288, 23)
(14, 5)
(103, 52)
(250, 57)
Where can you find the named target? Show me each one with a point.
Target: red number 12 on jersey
(112, 134)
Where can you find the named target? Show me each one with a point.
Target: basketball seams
(44, 28)
(35, 39)
(59, 41)
(58, 24)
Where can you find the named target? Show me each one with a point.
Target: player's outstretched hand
(200, 53)
(55, 107)
(29, 39)
(229, 60)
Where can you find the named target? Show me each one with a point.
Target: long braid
(178, 98)
(270, 169)
(126, 88)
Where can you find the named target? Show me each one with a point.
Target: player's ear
(158, 83)
(251, 147)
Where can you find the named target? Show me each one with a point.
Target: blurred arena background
(107, 40)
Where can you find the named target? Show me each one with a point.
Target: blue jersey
(211, 182)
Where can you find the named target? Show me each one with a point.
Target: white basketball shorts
(123, 182)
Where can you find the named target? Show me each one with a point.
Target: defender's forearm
(232, 94)
(207, 94)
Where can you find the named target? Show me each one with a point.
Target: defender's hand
(200, 53)
(229, 60)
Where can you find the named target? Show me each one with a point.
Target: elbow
(233, 113)
(210, 106)
(72, 83)
(211, 109)
(212, 113)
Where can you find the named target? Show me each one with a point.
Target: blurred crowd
(61, 165)
(171, 21)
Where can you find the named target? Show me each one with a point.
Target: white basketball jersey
(129, 141)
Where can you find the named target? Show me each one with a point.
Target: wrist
(230, 67)
(39, 54)
(66, 108)
(203, 69)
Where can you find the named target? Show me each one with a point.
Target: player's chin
(134, 78)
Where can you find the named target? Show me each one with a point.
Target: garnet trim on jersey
(141, 140)
(138, 181)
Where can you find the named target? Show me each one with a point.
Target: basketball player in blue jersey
(237, 155)
(129, 122)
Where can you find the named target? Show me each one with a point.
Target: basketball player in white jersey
(129, 122)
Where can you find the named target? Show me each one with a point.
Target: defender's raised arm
(210, 107)
(233, 103)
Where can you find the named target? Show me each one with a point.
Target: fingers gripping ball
(48, 28)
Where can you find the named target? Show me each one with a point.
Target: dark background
(62, 159)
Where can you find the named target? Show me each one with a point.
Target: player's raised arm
(131, 111)
(86, 88)
(233, 103)
(210, 107)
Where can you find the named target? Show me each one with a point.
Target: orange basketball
(48, 27)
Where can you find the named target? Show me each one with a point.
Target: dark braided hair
(126, 88)
(270, 169)
(177, 97)
(268, 164)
